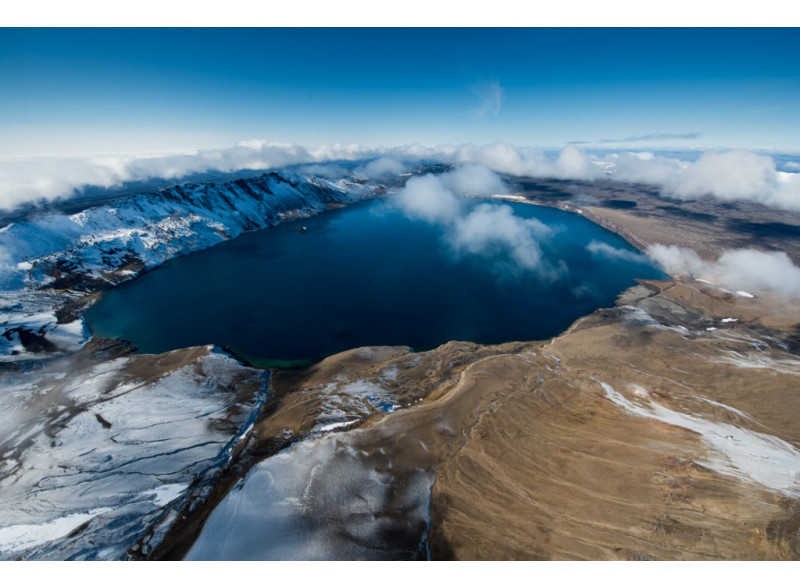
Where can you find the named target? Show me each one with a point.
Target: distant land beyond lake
(365, 275)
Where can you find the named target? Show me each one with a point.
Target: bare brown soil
(532, 456)
(644, 217)
(533, 461)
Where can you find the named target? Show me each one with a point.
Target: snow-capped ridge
(108, 244)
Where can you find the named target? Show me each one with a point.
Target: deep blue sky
(74, 90)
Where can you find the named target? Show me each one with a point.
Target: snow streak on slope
(321, 499)
(739, 452)
(99, 457)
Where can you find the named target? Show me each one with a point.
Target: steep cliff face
(48, 262)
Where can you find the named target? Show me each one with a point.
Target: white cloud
(381, 168)
(500, 157)
(490, 229)
(604, 250)
(653, 137)
(426, 198)
(473, 178)
(323, 170)
(733, 175)
(736, 175)
(491, 96)
(678, 261)
(757, 270)
(730, 175)
(644, 167)
(48, 178)
(487, 229)
(572, 163)
(738, 269)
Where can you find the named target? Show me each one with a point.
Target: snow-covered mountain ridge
(56, 258)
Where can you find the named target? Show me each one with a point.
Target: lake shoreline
(370, 275)
(638, 348)
(703, 328)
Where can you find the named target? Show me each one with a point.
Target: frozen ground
(99, 459)
(321, 499)
(99, 454)
(735, 451)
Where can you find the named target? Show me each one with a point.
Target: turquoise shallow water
(365, 275)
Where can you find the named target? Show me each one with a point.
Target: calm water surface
(362, 275)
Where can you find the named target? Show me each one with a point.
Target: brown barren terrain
(663, 428)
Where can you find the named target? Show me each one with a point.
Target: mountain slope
(48, 262)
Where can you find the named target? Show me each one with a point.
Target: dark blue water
(363, 275)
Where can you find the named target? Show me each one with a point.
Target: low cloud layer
(735, 175)
(653, 137)
(426, 198)
(486, 229)
(729, 175)
(570, 164)
(381, 168)
(474, 179)
(491, 229)
(736, 269)
(48, 178)
(605, 251)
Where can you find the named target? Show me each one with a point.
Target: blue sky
(65, 91)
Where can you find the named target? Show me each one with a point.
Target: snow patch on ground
(103, 441)
(761, 361)
(318, 500)
(735, 451)
(21, 537)
(334, 426)
(352, 401)
(167, 493)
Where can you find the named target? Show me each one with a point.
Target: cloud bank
(737, 269)
(735, 175)
(652, 137)
(489, 230)
(381, 168)
(41, 179)
(606, 251)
